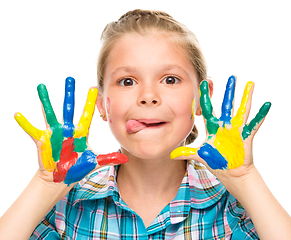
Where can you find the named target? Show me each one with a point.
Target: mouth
(136, 125)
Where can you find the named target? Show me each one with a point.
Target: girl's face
(149, 85)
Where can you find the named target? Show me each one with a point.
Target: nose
(149, 96)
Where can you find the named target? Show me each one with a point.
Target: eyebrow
(166, 67)
(126, 69)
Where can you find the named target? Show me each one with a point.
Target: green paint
(57, 129)
(48, 109)
(248, 128)
(57, 139)
(206, 106)
(80, 144)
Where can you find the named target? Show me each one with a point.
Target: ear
(210, 85)
(100, 105)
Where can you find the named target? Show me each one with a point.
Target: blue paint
(85, 164)
(69, 106)
(212, 157)
(227, 103)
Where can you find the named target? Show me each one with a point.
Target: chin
(149, 151)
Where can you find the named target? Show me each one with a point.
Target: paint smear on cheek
(108, 110)
(193, 106)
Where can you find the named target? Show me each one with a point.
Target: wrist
(237, 182)
(50, 191)
(270, 219)
(31, 206)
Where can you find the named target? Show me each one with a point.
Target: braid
(192, 136)
(138, 13)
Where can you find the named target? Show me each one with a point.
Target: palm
(64, 151)
(229, 139)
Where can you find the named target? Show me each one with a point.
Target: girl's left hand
(227, 150)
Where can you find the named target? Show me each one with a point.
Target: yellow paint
(230, 145)
(193, 108)
(43, 137)
(83, 127)
(229, 141)
(27, 127)
(237, 120)
(46, 152)
(183, 151)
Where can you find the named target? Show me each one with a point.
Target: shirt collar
(199, 188)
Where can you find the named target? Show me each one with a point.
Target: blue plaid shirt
(93, 209)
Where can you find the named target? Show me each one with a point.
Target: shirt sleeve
(239, 221)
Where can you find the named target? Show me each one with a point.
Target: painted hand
(64, 149)
(228, 142)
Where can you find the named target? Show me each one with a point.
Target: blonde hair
(142, 22)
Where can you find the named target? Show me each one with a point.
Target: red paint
(67, 159)
(115, 158)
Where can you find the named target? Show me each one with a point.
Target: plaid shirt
(93, 209)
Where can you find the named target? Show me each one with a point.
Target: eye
(171, 80)
(127, 82)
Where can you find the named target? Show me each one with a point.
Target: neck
(148, 185)
(151, 177)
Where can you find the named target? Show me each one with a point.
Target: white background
(45, 42)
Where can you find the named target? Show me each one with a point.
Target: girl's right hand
(64, 154)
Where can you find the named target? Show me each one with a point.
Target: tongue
(133, 126)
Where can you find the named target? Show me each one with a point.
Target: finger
(111, 158)
(27, 127)
(47, 107)
(255, 123)
(243, 111)
(183, 151)
(46, 152)
(68, 109)
(85, 121)
(87, 163)
(227, 104)
(212, 157)
(43, 136)
(207, 155)
(206, 107)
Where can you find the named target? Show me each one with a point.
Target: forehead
(151, 49)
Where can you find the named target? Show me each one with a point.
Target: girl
(150, 69)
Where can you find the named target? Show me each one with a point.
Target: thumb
(182, 152)
(207, 155)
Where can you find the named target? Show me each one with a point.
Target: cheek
(182, 107)
(184, 116)
(116, 110)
